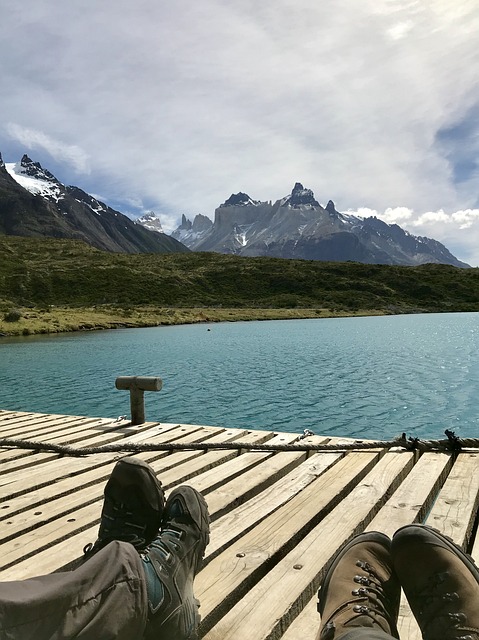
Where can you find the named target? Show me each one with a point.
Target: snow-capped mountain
(297, 226)
(34, 203)
(150, 221)
(191, 233)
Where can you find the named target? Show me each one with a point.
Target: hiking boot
(360, 589)
(132, 508)
(172, 562)
(440, 581)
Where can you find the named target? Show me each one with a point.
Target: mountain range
(34, 203)
(297, 226)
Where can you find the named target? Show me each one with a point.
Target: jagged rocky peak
(331, 207)
(149, 217)
(239, 200)
(185, 223)
(301, 196)
(202, 223)
(150, 221)
(35, 170)
(2, 164)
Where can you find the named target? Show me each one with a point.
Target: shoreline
(50, 320)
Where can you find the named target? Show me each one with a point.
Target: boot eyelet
(359, 608)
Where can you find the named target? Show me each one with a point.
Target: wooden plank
(50, 471)
(49, 427)
(49, 475)
(408, 503)
(243, 518)
(233, 462)
(414, 497)
(88, 438)
(305, 625)
(453, 514)
(253, 481)
(455, 509)
(238, 567)
(214, 478)
(61, 520)
(70, 494)
(291, 583)
(52, 558)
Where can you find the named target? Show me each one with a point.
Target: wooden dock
(277, 518)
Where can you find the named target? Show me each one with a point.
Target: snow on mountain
(34, 203)
(150, 221)
(191, 233)
(32, 177)
(297, 226)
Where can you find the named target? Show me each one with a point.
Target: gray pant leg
(362, 633)
(103, 599)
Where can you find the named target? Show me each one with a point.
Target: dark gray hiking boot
(172, 562)
(133, 506)
(360, 589)
(440, 581)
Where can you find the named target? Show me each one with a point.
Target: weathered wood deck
(277, 518)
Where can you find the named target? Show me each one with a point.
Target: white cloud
(61, 152)
(430, 218)
(400, 30)
(466, 219)
(396, 215)
(455, 229)
(177, 105)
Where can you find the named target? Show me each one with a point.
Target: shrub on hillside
(13, 315)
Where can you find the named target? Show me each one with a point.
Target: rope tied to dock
(452, 444)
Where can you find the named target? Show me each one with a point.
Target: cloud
(178, 105)
(61, 152)
(456, 230)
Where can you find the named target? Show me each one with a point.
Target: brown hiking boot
(171, 564)
(360, 589)
(440, 581)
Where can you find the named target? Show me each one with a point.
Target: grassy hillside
(45, 272)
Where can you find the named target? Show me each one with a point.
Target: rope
(451, 444)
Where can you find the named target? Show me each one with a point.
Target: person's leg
(359, 597)
(440, 581)
(105, 596)
(171, 563)
(366, 634)
(103, 599)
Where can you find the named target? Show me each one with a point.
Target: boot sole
(442, 540)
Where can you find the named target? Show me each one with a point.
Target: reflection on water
(368, 377)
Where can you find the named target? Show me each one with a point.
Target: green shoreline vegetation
(63, 319)
(49, 285)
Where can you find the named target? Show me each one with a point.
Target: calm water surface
(366, 377)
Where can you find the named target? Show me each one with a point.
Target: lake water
(371, 377)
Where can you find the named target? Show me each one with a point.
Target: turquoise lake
(372, 377)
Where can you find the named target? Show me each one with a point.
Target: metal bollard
(137, 385)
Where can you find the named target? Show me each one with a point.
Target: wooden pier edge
(277, 517)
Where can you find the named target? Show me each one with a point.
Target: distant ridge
(34, 203)
(297, 226)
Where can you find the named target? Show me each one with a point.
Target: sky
(173, 106)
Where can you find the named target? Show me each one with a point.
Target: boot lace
(432, 605)
(370, 596)
(118, 523)
(370, 600)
